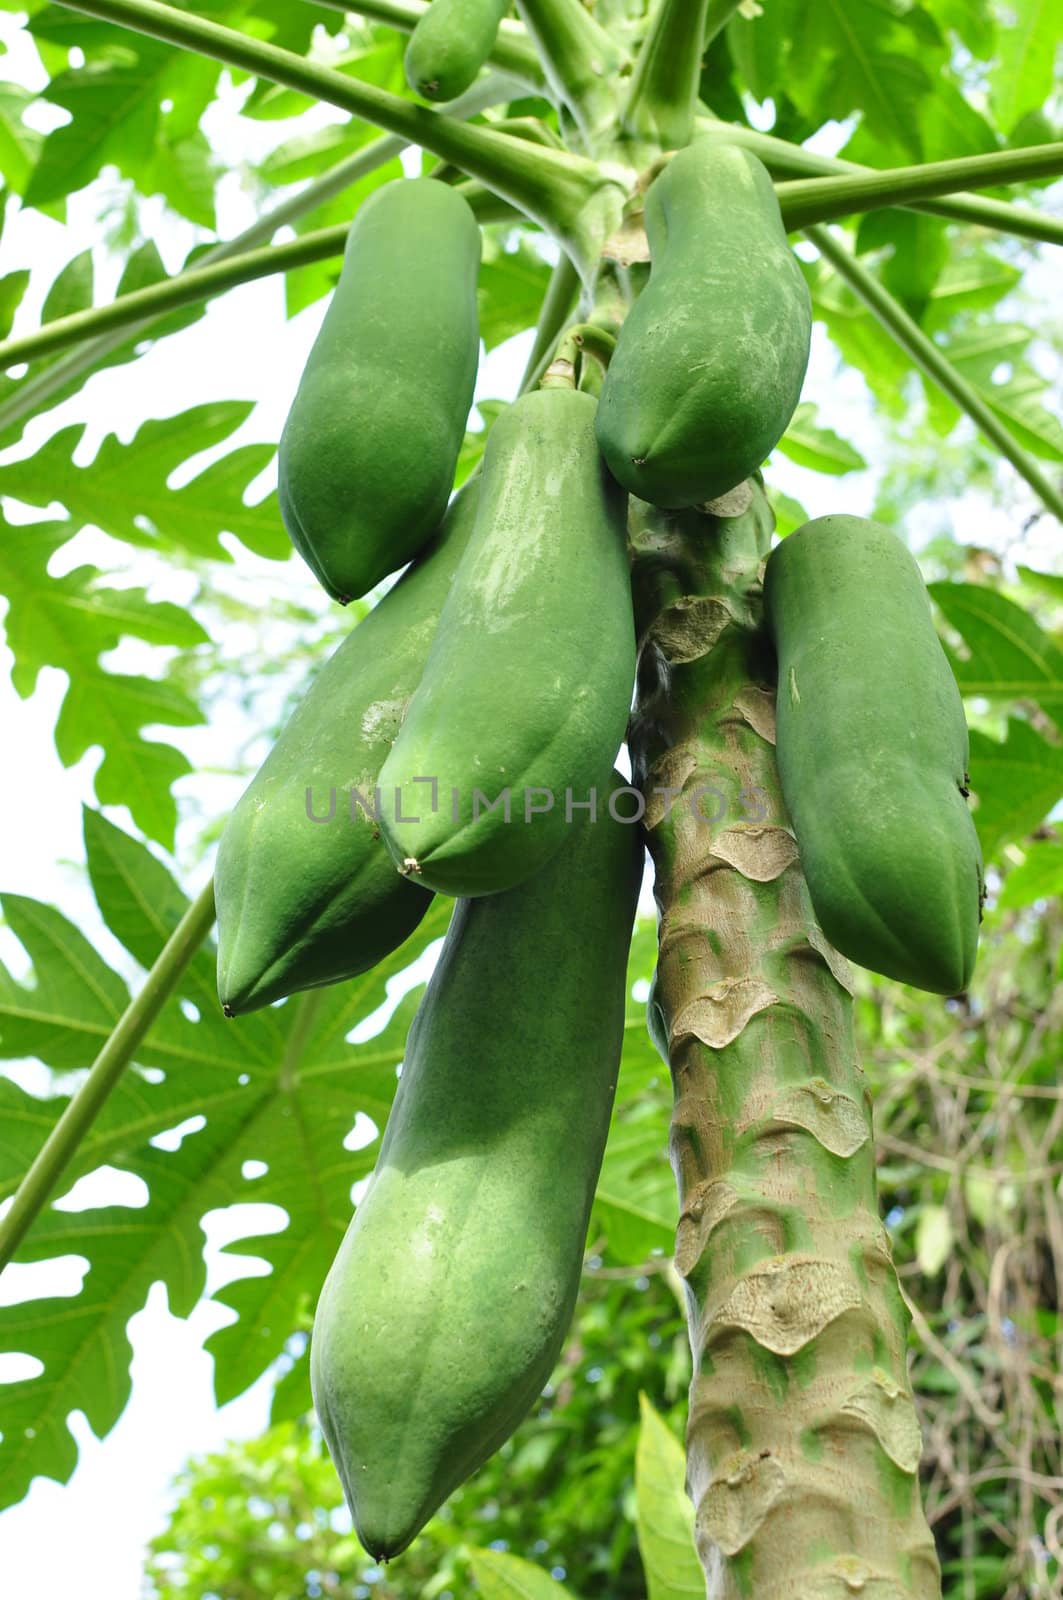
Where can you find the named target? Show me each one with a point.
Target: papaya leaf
(664, 1514)
(950, 126)
(291, 1397)
(790, 514)
(308, 155)
(635, 1204)
(293, 27)
(280, 1090)
(860, 339)
(760, 46)
(1016, 783)
(917, 250)
(973, 281)
(1009, 657)
(125, 490)
(71, 290)
(860, 57)
(69, 623)
(1045, 583)
(12, 287)
(19, 145)
(934, 1239)
(512, 285)
(184, 172)
(1023, 73)
(1040, 877)
(143, 267)
(114, 117)
(504, 1577)
(811, 445)
(972, 21)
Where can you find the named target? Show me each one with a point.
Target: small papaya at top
(306, 891)
(368, 452)
(526, 691)
(710, 360)
(872, 748)
(450, 44)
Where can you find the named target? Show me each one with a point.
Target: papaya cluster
(461, 741)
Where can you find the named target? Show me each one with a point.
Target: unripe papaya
(450, 44)
(368, 452)
(306, 891)
(873, 750)
(526, 690)
(709, 364)
(448, 1301)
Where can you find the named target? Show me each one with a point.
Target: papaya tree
(801, 771)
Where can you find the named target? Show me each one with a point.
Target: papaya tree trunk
(803, 1442)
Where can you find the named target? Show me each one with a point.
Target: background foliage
(968, 1111)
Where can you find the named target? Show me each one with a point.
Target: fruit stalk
(664, 85)
(803, 1443)
(580, 59)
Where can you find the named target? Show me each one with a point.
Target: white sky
(87, 1539)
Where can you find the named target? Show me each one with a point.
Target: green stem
(664, 89)
(779, 156)
(203, 283)
(63, 1141)
(561, 192)
(934, 363)
(512, 51)
(554, 312)
(200, 283)
(580, 59)
(802, 1441)
(717, 17)
(811, 200)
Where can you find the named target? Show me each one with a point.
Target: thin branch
(185, 288)
(33, 394)
(561, 192)
(779, 156)
(811, 200)
(937, 366)
(580, 58)
(62, 1143)
(664, 87)
(512, 50)
(553, 315)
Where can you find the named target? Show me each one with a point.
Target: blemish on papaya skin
(795, 693)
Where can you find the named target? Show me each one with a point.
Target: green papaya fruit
(873, 750)
(526, 690)
(368, 452)
(710, 360)
(449, 1298)
(306, 891)
(450, 44)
